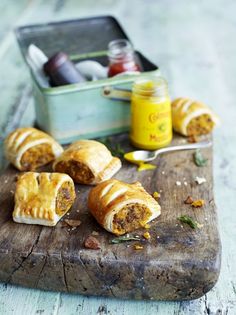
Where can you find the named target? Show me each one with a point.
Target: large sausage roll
(192, 118)
(87, 162)
(121, 207)
(29, 148)
(43, 198)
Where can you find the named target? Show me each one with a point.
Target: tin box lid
(74, 37)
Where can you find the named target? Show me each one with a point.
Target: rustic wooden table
(194, 45)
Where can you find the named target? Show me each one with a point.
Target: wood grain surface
(177, 263)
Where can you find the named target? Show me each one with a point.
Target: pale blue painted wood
(194, 44)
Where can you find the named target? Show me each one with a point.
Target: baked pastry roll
(121, 207)
(192, 118)
(43, 198)
(87, 162)
(29, 148)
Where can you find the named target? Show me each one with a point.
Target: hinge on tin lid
(116, 93)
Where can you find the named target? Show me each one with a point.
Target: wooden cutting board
(177, 263)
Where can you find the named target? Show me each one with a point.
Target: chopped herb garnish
(115, 148)
(125, 238)
(199, 159)
(186, 219)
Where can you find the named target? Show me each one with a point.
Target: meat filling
(200, 125)
(37, 156)
(130, 217)
(65, 198)
(78, 171)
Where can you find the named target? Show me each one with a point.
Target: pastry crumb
(64, 224)
(163, 172)
(200, 225)
(147, 235)
(138, 247)
(198, 203)
(73, 223)
(92, 243)
(178, 183)
(189, 200)
(95, 233)
(185, 184)
(147, 226)
(200, 180)
(193, 139)
(156, 195)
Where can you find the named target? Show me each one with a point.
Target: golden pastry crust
(87, 162)
(192, 117)
(29, 148)
(121, 207)
(43, 198)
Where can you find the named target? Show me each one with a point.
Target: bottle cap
(55, 62)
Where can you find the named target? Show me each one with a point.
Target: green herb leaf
(116, 149)
(199, 159)
(125, 238)
(188, 220)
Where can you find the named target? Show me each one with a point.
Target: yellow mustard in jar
(151, 125)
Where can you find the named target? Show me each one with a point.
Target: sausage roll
(87, 162)
(192, 118)
(29, 148)
(121, 207)
(43, 198)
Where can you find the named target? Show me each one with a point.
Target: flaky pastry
(43, 198)
(121, 207)
(87, 162)
(30, 148)
(191, 118)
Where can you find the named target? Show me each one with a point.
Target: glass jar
(121, 57)
(151, 124)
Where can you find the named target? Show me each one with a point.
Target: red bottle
(121, 57)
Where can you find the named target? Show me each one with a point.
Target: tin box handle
(116, 93)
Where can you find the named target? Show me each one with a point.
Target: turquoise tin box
(89, 109)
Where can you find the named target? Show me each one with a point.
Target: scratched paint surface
(193, 42)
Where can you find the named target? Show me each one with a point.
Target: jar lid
(120, 49)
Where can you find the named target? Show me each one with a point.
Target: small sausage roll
(43, 198)
(121, 207)
(29, 148)
(87, 162)
(192, 118)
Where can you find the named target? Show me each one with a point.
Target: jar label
(151, 125)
